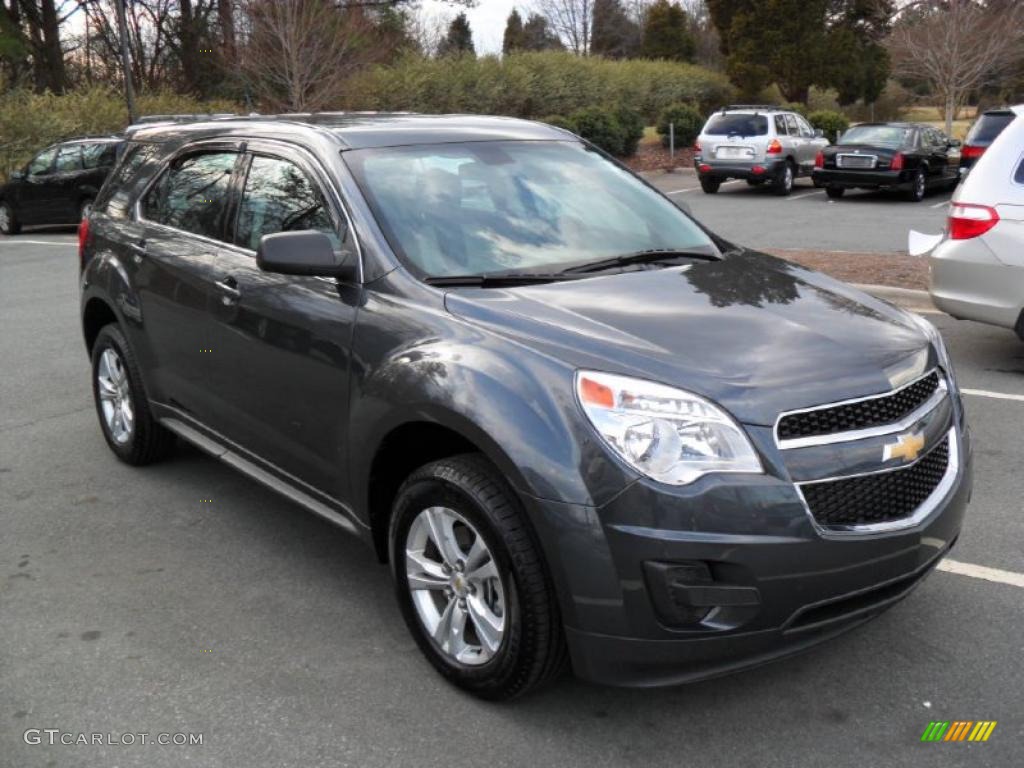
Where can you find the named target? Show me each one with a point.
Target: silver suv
(758, 143)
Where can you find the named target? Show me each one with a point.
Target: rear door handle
(229, 290)
(138, 250)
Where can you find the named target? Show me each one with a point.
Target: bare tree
(299, 53)
(571, 20)
(957, 46)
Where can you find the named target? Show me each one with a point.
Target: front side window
(530, 206)
(42, 162)
(96, 155)
(737, 123)
(805, 128)
(192, 193)
(280, 197)
(69, 158)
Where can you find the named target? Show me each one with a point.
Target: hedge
(832, 123)
(686, 121)
(536, 84)
(617, 131)
(29, 121)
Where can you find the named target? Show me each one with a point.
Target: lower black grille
(878, 498)
(872, 412)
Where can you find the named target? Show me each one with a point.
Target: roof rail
(750, 106)
(192, 118)
(93, 137)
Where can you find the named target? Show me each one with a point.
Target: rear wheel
(917, 187)
(84, 208)
(835, 192)
(471, 582)
(9, 223)
(710, 186)
(127, 423)
(783, 184)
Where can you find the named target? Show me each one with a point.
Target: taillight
(819, 160)
(704, 168)
(967, 220)
(83, 241)
(967, 151)
(897, 162)
(696, 147)
(774, 147)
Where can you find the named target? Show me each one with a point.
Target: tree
(513, 39)
(459, 40)
(613, 34)
(537, 35)
(957, 46)
(666, 33)
(571, 21)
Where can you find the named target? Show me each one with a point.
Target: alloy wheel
(115, 396)
(455, 586)
(919, 186)
(5, 218)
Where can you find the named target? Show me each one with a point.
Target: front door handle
(229, 290)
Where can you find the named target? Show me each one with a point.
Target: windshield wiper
(650, 256)
(496, 280)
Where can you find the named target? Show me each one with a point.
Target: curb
(905, 297)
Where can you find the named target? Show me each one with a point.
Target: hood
(754, 333)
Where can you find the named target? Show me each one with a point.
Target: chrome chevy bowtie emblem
(906, 447)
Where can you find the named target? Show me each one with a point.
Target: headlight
(667, 434)
(939, 344)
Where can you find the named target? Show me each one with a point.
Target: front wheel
(9, 224)
(710, 186)
(470, 581)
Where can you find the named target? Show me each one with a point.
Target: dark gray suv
(575, 423)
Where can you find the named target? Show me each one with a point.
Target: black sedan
(907, 157)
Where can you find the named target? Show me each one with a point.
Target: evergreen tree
(514, 38)
(538, 36)
(459, 40)
(612, 32)
(666, 33)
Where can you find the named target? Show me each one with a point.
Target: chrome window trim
(239, 145)
(927, 507)
(859, 434)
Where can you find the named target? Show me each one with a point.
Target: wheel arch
(95, 314)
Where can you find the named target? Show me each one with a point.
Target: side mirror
(17, 176)
(953, 143)
(818, 133)
(306, 252)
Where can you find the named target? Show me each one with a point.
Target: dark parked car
(908, 157)
(984, 131)
(575, 423)
(58, 185)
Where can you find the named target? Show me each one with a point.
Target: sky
(487, 19)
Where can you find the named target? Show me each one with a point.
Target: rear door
(67, 175)
(280, 367)
(797, 143)
(812, 144)
(175, 248)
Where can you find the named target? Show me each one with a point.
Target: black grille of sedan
(863, 414)
(877, 498)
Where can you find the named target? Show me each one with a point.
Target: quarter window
(1019, 175)
(192, 194)
(280, 197)
(41, 163)
(69, 158)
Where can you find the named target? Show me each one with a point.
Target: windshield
(878, 135)
(529, 206)
(737, 124)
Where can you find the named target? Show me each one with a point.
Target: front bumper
(779, 584)
(868, 179)
(738, 169)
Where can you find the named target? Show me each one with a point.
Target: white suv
(758, 143)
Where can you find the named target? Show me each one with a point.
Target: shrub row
(30, 121)
(535, 85)
(832, 123)
(617, 131)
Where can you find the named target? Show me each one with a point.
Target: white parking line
(993, 395)
(939, 205)
(806, 194)
(22, 241)
(982, 572)
(680, 191)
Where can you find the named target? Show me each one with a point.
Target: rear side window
(69, 158)
(794, 129)
(988, 126)
(280, 197)
(191, 195)
(780, 125)
(737, 124)
(1019, 175)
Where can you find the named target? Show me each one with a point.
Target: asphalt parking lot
(130, 604)
(861, 221)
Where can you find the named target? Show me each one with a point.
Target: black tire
(710, 186)
(9, 224)
(84, 207)
(782, 186)
(918, 187)
(532, 649)
(835, 192)
(755, 182)
(147, 441)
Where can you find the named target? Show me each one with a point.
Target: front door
(35, 203)
(281, 352)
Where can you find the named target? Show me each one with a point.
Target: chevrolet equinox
(580, 427)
